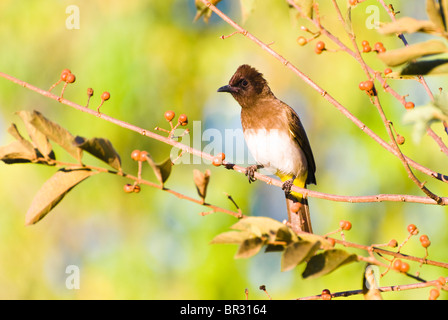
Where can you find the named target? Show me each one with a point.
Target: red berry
(387, 70)
(128, 188)
(169, 115)
(105, 96)
(135, 155)
(320, 45)
(409, 105)
(70, 78)
(183, 120)
(326, 294)
(412, 229)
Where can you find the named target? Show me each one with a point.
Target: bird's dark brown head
(247, 85)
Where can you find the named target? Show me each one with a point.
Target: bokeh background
(151, 57)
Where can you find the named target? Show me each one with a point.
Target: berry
(70, 78)
(143, 156)
(183, 120)
(221, 155)
(64, 74)
(409, 105)
(353, 2)
(387, 71)
(393, 243)
(368, 85)
(128, 188)
(137, 189)
(295, 207)
(326, 294)
(169, 115)
(397, 264)
(378, 46)
(105, 96)
(365, 43)
(317, 51)
(441, 281)
(217, 161)
(400, 139)
(425, 241)
(434, 294)
(345, 225)
(412, 229)
(302, 41)
(381, 50)
(135, 155)
(404, 267)
(320, 45)
(366, 48)
(362, 86)
(89, 92)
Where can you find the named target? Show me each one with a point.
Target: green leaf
(297, 252)
(249, 247)
(407, 25)
(425, 67)
(53, 191)
(408, 53)
(325, 244)
(100, 148)
(326, 262)
(55, 132)
(39, 139)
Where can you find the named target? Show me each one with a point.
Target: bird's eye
(244, 83)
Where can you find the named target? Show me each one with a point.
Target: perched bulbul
(276, 139)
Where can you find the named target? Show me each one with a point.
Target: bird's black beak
(228, 88)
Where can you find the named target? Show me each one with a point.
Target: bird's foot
(287, 185)
(250, 172)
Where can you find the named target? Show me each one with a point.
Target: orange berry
(366, 49)
(387, 70)
(70, 78)
(441, 281)
(412, 229)
(183, 120)
(302, 41)
(64, 74)
(128, 188)
(326, 294)
(217, 161)
(434, 294)
(169, 115)
(404, 267)
(143, 156)
(378, 46)
(136, 188)
(221, 155)
(409, 105)
(320, 45)
(365, 43)
(362, 86)
(400, 139)
(345, 225)
(425, 241)
(353, 2)
(393, 243)
(368, 85)
(397, 264)
(135, 155)
(295, 207)
(105, 96)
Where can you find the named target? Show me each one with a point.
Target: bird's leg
(250, 171)
(287, 185)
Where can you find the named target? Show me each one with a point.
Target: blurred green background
(151, 57)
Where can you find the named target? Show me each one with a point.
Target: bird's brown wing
(298, 132)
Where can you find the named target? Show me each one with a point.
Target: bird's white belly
(276, 151)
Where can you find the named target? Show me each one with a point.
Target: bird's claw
(250, 172)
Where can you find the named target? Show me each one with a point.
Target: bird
(276, 139)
